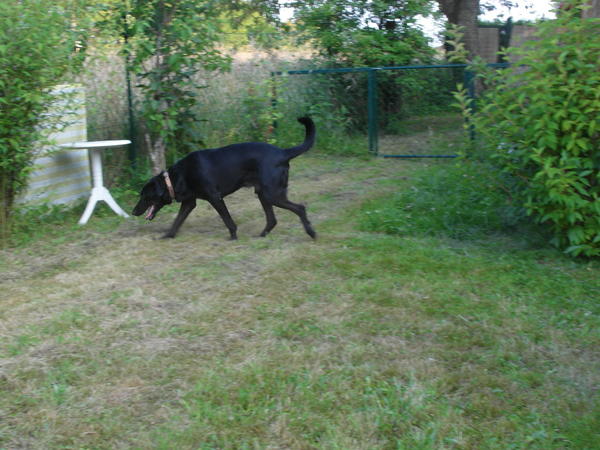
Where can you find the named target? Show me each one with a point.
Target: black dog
(213, 174)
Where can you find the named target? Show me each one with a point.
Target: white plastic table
(99, 192)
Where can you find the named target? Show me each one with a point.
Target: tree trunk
(156, 144)
(157, 151)
(464, 13)
(594, 11)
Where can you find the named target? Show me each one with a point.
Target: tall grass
(245, 103)
(464, 200)
(249, 104)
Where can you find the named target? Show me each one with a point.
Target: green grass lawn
(111, 338)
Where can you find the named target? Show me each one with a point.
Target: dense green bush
(39, 40)
(378, 33)
(541, 124)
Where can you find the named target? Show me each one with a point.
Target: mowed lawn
(112, 338)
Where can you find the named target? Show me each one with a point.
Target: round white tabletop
(97, 144)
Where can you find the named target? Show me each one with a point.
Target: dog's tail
(309, 139)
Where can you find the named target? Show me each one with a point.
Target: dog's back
(247, 164)
(258, 151)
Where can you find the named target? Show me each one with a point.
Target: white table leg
(110, 201)
(89, 209)
(99, 192)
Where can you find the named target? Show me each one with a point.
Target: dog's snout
(139, 209)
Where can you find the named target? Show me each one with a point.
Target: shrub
(541, 124)
(38, 40)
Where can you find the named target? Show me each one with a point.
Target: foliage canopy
(366, 33)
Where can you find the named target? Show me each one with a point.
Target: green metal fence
(400, 109)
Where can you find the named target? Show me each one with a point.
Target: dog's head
(153, 197)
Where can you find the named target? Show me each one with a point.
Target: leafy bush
(541, 124)
(462, 201)
(38, 40)
(381, 33)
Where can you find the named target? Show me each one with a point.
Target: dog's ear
(159, 186)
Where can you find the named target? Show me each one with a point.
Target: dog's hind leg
(300, 211)
(270, 215)
(219, 205)
(184, 211)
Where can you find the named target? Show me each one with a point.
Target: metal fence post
(132, 151)
(131, 121)
(372, 111)
(470, 83)
(469, 80)
(274, 97)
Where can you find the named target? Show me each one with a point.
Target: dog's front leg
(186, 208)
(219, 205)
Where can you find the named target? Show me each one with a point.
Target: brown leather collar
(169, 185)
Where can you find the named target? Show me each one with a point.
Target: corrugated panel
(62, 176)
